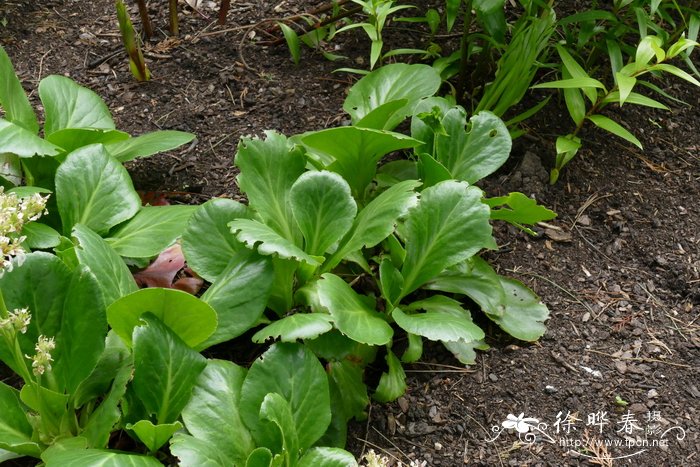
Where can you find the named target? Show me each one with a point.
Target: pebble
(493, 377)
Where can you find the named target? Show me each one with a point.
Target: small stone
(653, 393)
(438, 446)
(549, 389)
(493, 377)
(621, 366)
(637, 408)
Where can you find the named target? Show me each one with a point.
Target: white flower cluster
(372, 459)
(16, 321)
(41, 361)
(15, 212)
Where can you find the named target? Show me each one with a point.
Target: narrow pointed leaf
(148, 144)
(626, 84)
(276, 409)
(15, 430)
(615, 128)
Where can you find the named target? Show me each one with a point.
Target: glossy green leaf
(154, 436)
(19, 290)
(165, 369)
(150, 231)
(451, 10)
(190, 318)
(40, 236)
(264, 239)
(296, 326)
(327, 457)
(18, 140)
(414, 351)
(292, 39)
(351, 314)
(491, 15)
(70, 139)
(94, 189)
(347, 377)
(15, 430)
(389, 83)
(261, 457)
(148, 144)
(577, 72)
(524, 313)
(207, 242)
(323, 209)
(615, 128)
(377, 220)
(212, 414)
(432, 171)
(110, 270)
(239, 296)
(381, 117)
(82, 333)
(269, 168)
(625, 84)
(293, 372)
(354, 152)
(571, 83)
(97, 457)
(427, 122)
(472, 155)
(637, 99)
(465, 351)
(575, 103)
(196, 452)
(646, 50)
(392, 383)
(13, 100)
(519, 209)
(390, 281)
(449, 225)
(437, 325)
(276, 409)
(665, 67)
(69, 105)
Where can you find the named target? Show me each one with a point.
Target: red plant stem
(223, 11)
(145, 19)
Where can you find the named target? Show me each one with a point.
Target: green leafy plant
(415, 252)
(137, 64)
(650, 57)
(74, 117)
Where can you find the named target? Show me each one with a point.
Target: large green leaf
(92, 188)
(71, 139)
(212, 414)
(112, 273)
(472, 153)
(97, 457)
(40, 236)
(477, 280)
(377, 220)
(82, 332)
(449, 225)
(524, 312)
(40, 284)
(150, 231)
(347, 377)
(351, 314)
(293, 372)
(354, 152)
(13, 100)
(154, 436)
(69, 105)
(148, 144)
(239, 295)
(22, 142)
(389, 83)
(196, 452)
(323, 208)
(207, 242)
(269, 168)
(438, 325)
(491, 15)
(267, 241)
(296, 326)
(277, 410)
(15, 430)
(165, 369)
(190, 318)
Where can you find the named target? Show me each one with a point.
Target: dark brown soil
(619, 268)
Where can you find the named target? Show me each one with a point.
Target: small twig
(105, 58)
(640, 359)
